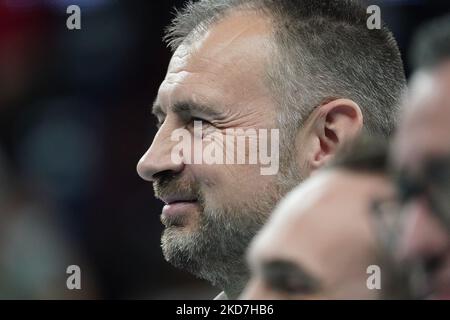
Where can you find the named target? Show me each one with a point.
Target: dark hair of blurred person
(311, 69)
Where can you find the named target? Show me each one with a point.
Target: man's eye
(201, 127)
(195, 121)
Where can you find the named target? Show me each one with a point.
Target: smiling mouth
(176, 211)
(170, 200)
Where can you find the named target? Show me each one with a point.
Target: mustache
(168, 184)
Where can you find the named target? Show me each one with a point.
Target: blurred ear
(328, 127)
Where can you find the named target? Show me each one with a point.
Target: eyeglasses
(432, 184)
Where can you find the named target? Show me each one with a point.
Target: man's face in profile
(320, 241)
(212, 211)
(422, 155)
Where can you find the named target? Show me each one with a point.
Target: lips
(177, 199)
(178, 209)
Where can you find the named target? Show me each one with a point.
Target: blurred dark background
(74, 120)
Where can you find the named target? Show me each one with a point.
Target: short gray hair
(323, 50)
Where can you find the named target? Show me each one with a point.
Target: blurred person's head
(320, 241)
(421, 154)
(310, 69)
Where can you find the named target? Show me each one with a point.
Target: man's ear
(328, 127)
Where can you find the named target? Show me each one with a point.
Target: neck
(235, 285)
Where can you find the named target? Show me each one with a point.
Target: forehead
(223, 63)
(328, 213)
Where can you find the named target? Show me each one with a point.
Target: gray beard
(215, 251)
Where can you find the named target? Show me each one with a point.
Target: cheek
(231, 183)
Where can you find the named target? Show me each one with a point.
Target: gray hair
(322, 51)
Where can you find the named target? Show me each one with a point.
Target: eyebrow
(289, 277)
(188, 108)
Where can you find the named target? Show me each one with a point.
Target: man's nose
(158, 157)
(423, 235)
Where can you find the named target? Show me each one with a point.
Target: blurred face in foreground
(320, 241)
(422, 156)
